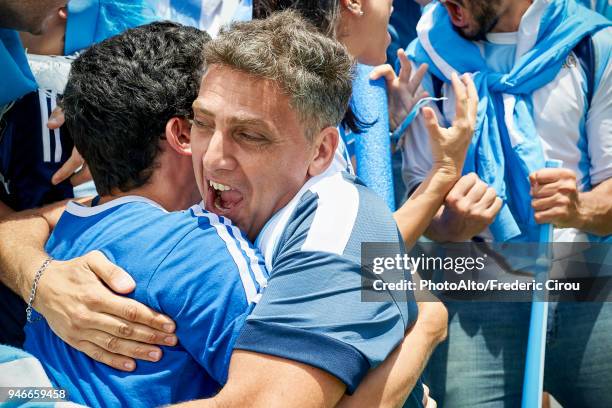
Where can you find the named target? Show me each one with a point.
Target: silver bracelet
(39, 273)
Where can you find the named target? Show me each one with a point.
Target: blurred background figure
(208, 15)
(30, 152)
(402, 26)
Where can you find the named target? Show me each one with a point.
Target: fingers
(546, 176)
(431, 122)
(556, 200)
(494, 209)
(551, 215)
(72, 164)
(110, 359)
(82, 176)
(126, 330)
(415, 82)
(127, 348)
(405, 66)
(461, 99)
(425, 394)
(135, 312)
(478, 191)
(385, 71)
(462, 187)
(543, 191)
(57, 119)
(115, 277)
(428, 402)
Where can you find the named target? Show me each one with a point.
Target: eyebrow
(235, 120)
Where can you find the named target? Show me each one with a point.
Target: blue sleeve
(201, 285)
(312, 311)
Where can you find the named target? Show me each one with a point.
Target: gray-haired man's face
(250, 153)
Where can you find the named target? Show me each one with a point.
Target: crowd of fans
(180, 218)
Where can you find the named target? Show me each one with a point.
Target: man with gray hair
(263, 137)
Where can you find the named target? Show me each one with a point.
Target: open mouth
(456, 11)
(222, 199)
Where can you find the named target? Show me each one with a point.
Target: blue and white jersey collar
(80, 210)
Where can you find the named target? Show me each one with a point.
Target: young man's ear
(178, 135)
(325, 145)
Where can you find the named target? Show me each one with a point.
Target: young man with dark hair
(127, 105)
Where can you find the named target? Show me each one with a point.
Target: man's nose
(219, 155)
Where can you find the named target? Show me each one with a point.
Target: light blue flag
(91, 21)
(16, 79)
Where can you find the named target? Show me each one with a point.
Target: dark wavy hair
(122, 92)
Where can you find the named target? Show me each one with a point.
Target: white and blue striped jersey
(30, 152)
(312, 310)
(571, 130)
(192, 266)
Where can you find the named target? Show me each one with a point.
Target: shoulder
(213, 246)
(335, 215)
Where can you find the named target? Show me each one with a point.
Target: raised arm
(449, 147)
(73, 298)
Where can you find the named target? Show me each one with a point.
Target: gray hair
(313, 70)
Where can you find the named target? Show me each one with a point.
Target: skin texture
(557, 200)
(215, 153)
(246, 136)
(51, 40)
(471, 205)
(474, 18)
(363, 29)
(28, 15)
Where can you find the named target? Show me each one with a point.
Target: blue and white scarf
(91, 21)
(506, 148)
(16, 79)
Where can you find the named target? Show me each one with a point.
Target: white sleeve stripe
(248, 282)
(44, 130)
(56, 132)
(260, 276)
(331, 230)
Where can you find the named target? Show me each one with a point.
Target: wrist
(28, 268)
(586, 212)
(447, 169)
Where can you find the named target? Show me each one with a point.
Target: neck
(510, 20)
(169, 202)
(172, 185)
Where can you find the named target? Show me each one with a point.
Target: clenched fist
(470, 207)
(555, 197)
